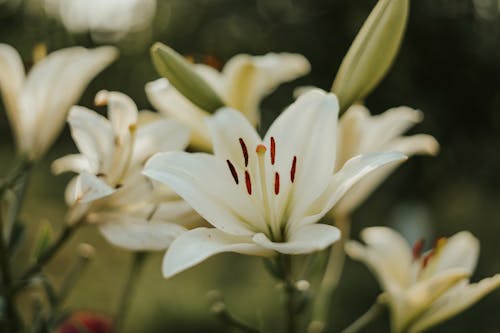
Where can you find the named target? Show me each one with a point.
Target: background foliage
(448, 67)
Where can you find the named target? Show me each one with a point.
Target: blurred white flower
(105, 20)
(362, 133)
(422, 290)
(242, 84)
(37, 104)
(262, 195)
(110, 190)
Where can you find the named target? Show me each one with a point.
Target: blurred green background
(449, 67)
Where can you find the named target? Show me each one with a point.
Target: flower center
(428, 257)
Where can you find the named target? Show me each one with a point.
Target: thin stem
(21, 167)
(331, 277)
(221, 312)
(10, 320)
(291, 296)
(47, 255)
(373, 312)
(133, 277)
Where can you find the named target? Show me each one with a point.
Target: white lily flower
(422, 290)
(362, 133)
(243, 82)
(262, 195)
(37, 104)
(110, 190)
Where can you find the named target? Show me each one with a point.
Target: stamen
(417, 248)
(426, 259)
(261, 149)
(276, 183)
(233, 171)
(273, 150)
(248, 182)
(244, 150)
(293, 169)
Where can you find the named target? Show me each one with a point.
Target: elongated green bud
(179, 72)
(43, 240)
(372, 52)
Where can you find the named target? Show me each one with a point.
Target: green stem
(133, 277)
(47, 255)
(331, 277)
(21, 167)
(221, 312)
(373, 312)
(291, 296)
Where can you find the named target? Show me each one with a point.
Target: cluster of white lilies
(239, 192)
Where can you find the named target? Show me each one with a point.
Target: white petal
(226, 127)
(415, 144)
(205, 182)
(159, 136)
(93, 136)
(166, 99)
(52, 86)
(196, 245)
(122, 111)
(306, 239)
(353, 171)
(139, 234)
(455, 301)
(419, 297)
(387, 254)
(89, 188)
(76, 162)
(11, 81)
(249, 78)
(213, 77)
(305, 130)
(180, 212)
(460, 251)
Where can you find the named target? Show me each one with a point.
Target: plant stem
(331, 277)
(221, 312)
(21, 167)
(291, 299)
(373, 312)
(47, 255)
(133, 277)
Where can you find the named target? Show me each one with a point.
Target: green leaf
(16, 236)
(43, 240)
(181, 75)
(372, 52)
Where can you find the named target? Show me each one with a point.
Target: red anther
(248, 182)
(417, 248)
(273, 150)
(244, 150)
(233, 171)
(276, 183)
(426, 259)
(294, 167)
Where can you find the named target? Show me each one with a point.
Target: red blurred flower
(88, 322)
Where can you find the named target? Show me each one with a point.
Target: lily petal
(89, 188)
(226, 127)
(139, 234)
(306, 239)
(11, 81)
(205, 182)
(43, 107)
(249, 78)
(122, 111)
(455, 301)
(198, 244)
(387, 254)
(166, 99)
(75, 162)
(421, 295)
(93, 136)
(158, 136)
(460, 251)
(301, 131)
(353, 171)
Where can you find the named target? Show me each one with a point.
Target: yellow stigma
(261, 149)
